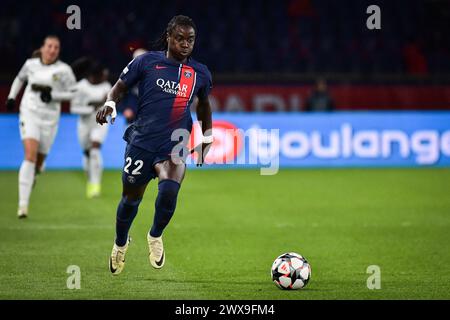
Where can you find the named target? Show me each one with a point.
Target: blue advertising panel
(343, 139)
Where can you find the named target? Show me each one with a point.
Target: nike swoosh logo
(110, 266)
(158, 263)
(158, 67)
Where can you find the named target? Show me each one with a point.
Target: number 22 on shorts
(138, 165)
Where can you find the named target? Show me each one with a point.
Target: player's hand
(10, 104)
(46, 92)
(46, 95)
(202, 150)
(103, 113)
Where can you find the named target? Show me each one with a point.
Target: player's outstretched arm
(15, 88)
(204, 115)
(109, 109)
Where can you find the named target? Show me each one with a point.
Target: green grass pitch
(228, 228)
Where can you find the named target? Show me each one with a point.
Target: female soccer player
(168, 81)
(50, 81)
(90, 95)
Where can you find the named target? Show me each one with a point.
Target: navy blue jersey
(166, 91)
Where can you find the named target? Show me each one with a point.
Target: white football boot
(22, 212)
(117, 259)
(156, 251)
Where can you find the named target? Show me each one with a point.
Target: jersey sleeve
(66, 85)
(23, 73)
(204, 91)
(132, 73)
(108, 87)
(19, 80)
(68, 80)
(79, 103)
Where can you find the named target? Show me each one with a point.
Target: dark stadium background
(364, 184)
(278, 47)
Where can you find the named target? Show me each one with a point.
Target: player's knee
(131, 201)
(132, 195)
(168, 192)
(127, 210)
(29, 156)
(96, 145)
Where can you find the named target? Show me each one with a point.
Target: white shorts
(31, 126)
(90, 131)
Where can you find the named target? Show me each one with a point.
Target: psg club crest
(131, 179)
(188, 74)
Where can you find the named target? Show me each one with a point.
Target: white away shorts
(90, 131)
(31, 126)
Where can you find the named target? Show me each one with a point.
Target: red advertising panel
(232, 98)
(346, 97)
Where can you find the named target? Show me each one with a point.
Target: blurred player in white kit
(90, 95)
(49, 81)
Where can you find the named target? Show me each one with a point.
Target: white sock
(26, 179)
(95, 166)
(85, 163)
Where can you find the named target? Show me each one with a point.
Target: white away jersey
(87, 92)
(58, 76)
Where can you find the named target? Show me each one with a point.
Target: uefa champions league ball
(290, 271)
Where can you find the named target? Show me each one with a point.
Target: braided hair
(180, 20)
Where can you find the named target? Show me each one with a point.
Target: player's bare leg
(170, 176)
(126, 212)
(40, 162)
(167, 170)
(26, 175)
(39, 168)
